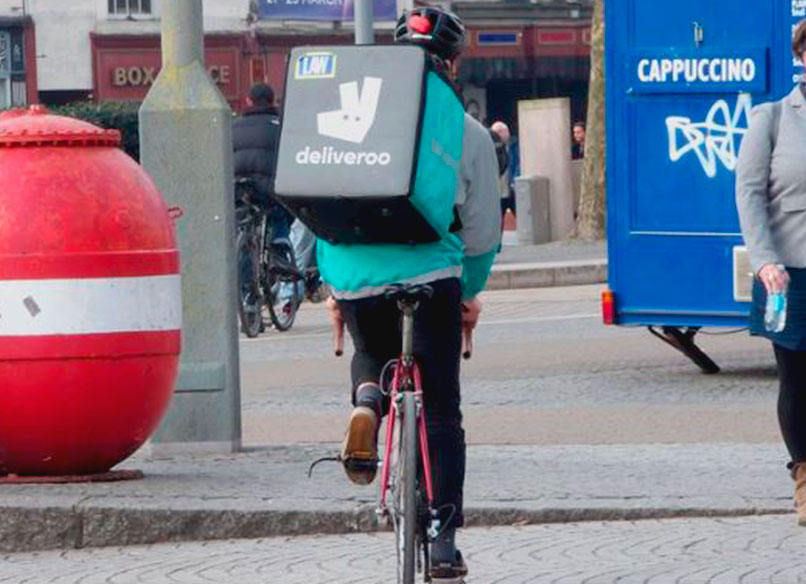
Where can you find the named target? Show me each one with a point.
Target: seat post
(408, 308)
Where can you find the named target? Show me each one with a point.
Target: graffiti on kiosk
(715, 139)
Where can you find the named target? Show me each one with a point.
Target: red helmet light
(420, 24)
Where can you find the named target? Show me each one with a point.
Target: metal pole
(186, 147)
(364, 32)
(182, 34)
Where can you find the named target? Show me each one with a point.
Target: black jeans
(792, 400)
(375, 327)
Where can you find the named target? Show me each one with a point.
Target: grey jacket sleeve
(478, 200)
(752, 186)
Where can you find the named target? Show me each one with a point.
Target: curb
(36, 529)
(545, 274)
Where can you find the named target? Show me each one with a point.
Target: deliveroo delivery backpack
(370, 144)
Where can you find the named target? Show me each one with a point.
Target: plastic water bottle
(775, 314)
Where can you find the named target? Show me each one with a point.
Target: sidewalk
(266, 492)
(551, 264)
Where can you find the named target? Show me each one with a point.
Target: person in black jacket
(256, 138)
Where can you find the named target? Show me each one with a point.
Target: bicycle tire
(409, 495)
(281, 263)
(249, 311)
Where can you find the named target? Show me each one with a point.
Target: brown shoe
(359, 453)
(798, 472)
(450, 572)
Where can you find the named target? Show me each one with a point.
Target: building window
(5, 94)
(129, 7)
(5, 53)
(19, 92)
(5, 70)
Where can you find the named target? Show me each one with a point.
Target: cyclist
(457, 268)
(255, 138)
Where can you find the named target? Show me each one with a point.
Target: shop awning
(479, 71)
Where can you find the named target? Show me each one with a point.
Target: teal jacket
(363, 270)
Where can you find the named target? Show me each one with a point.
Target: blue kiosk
(682, 78)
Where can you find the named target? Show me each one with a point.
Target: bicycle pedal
(361, 464)
(353, 463)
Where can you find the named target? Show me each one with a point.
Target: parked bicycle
(267, 272)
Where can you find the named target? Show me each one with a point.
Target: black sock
(369, 396)
(443, 549)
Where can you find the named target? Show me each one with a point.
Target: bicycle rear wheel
(406, 490)
(281, 287)
(249, 297)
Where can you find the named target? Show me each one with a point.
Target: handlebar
(338, 341)
(467, 342)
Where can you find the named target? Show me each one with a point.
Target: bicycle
(405, 477)
(406, 495)
(267, 272)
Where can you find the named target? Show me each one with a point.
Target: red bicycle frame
(406, 378)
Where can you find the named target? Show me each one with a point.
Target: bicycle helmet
(436, 30)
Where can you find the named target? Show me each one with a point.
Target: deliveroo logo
(357, 114)
(351, 123)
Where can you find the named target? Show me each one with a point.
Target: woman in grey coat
(771, 199)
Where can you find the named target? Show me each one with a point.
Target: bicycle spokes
(406, 492)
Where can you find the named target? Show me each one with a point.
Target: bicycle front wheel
(248, 284)
(407, 475)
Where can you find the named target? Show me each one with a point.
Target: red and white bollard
(90, 298)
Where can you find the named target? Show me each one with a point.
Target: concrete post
(577, 168)
(532, 201)
(545, 146)
(364, 32)
(186, 145)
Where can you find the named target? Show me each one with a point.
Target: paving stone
(753, 550)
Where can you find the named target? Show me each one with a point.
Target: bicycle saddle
(409, 292)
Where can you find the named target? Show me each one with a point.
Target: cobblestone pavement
(757, 550)
(545, 371)
(532, 480)
(557, 251)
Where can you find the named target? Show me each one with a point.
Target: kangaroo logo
(357, 114)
